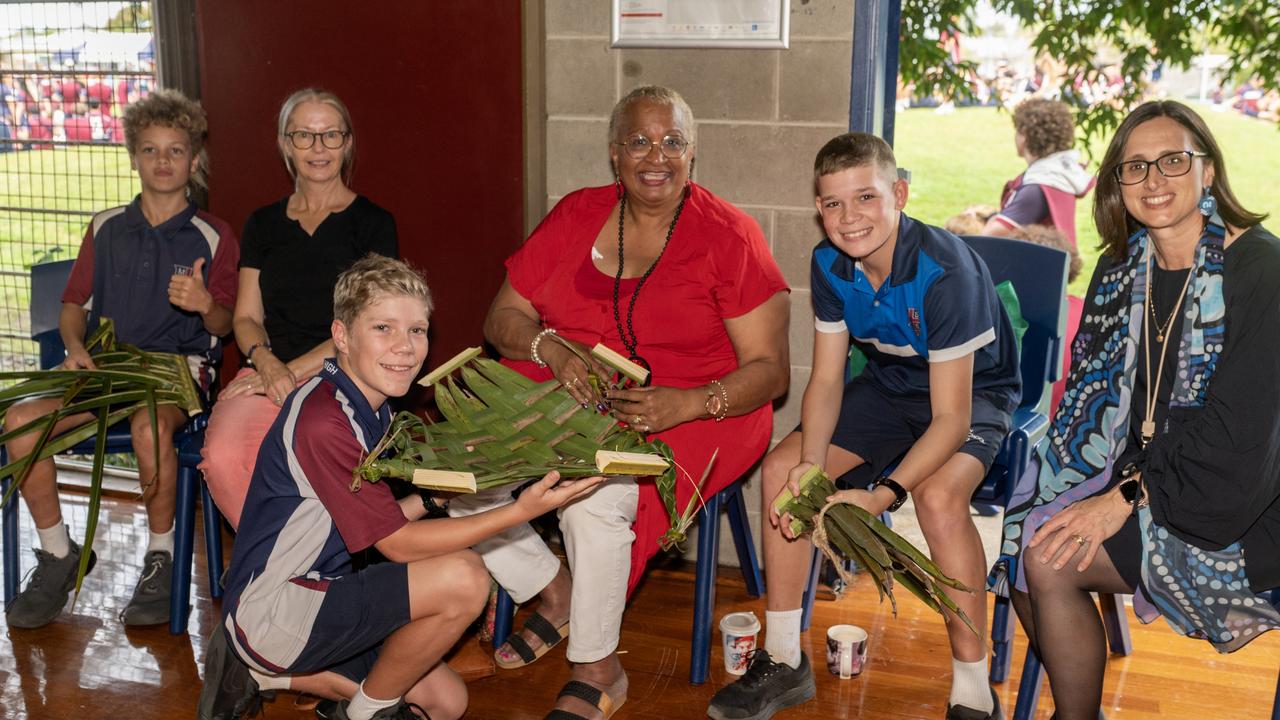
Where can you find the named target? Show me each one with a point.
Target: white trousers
(598, 538)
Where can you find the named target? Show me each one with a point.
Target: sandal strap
(537, 624)
(584, 692)
(522, 648)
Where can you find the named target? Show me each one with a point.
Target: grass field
(966, 157)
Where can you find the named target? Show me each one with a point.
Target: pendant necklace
(1153, 387)
(628, 334)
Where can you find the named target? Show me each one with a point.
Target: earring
(1208, 203)
(618, 189)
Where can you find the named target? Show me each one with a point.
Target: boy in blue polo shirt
(165, 273)
(940, 384)
(296, 614)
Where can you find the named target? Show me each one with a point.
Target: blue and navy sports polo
(301, 520)
(937, 304)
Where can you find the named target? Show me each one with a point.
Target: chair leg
(1275, 706)
(742, 539)
(9, 519)
(212, 541)
(183, 547)
(1029, 687)
(1116, 623)
(704, 592)
(1001, 639)
(811, 591)
(504, 614)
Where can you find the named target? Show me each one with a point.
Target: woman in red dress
(660, 270)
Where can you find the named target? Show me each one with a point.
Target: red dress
(717, 266)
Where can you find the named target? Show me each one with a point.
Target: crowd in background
(40, 109)
(1250, 98)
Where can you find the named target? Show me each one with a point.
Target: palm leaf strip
(844, 531)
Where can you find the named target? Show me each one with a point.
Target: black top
(1213, 472)
(298, 271)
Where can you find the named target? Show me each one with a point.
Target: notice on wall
(701, 23)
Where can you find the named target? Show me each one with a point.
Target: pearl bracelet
(533, 347)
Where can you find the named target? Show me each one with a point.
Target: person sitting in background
(1161, 474)
(1046, 192)
(164, 273)
(293, 252)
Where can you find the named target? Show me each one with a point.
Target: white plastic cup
(846, 650)
(738, 635)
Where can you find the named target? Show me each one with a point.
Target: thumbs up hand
(187, 291)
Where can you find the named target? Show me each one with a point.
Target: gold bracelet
(723, 395)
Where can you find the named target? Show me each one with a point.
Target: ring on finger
(1080, 539)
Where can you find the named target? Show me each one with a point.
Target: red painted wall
(434, 90)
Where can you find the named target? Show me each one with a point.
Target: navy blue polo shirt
(937, 304)
(124, 267)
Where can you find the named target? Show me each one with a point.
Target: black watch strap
(899, 492)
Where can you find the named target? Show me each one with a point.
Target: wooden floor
(86, 665)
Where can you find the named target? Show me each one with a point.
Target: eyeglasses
(1174, 164)
(332, 139)
(672, 146)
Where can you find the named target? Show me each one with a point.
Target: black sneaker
(399, 711)
(229, 691)
(150, 602)
(46, 594)
(766, 688)
(961, 712)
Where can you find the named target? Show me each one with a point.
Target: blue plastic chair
(704, 595)
(1039, 276)
(47, 283)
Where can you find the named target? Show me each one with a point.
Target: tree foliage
(1145, 33)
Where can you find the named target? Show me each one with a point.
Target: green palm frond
(124, 381)
(504, 428)
(849, 532)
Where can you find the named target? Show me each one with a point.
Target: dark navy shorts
(880, 428)
(358, 613)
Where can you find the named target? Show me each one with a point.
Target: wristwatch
(899, 492)
(1131, 491)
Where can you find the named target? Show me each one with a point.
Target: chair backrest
(48, 280)
(1039, 276)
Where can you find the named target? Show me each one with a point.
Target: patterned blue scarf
(1201, 593)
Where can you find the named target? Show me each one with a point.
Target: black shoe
(399, 711)
(51, 582)
(229, 691)
(150, 602)
(960, 712)
(766, 688)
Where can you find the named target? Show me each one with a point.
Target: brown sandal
(549, 634)
(589, 694)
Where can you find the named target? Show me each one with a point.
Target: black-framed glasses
(304, 139)
(672, 147)
(1174, 164)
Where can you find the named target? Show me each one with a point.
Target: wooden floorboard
(86, 665)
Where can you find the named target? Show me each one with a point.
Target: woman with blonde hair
(292, 252)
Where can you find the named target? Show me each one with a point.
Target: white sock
(969, 685)
(271, 682)
(363, 707)
(782, 636)
(54, 540)
(161, 541)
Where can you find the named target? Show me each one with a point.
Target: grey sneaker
(766, 688)
(46, 594)
(150, 602)
(229, 691)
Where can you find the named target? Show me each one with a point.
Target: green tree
(1144, 32)
(134, 17)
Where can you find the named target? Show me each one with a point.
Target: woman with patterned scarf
(1161, 472)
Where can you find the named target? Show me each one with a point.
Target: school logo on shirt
(913, 317)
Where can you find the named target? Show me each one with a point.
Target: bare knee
(941, 507)
(21, 414)
(775, 468)
(469, 583)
